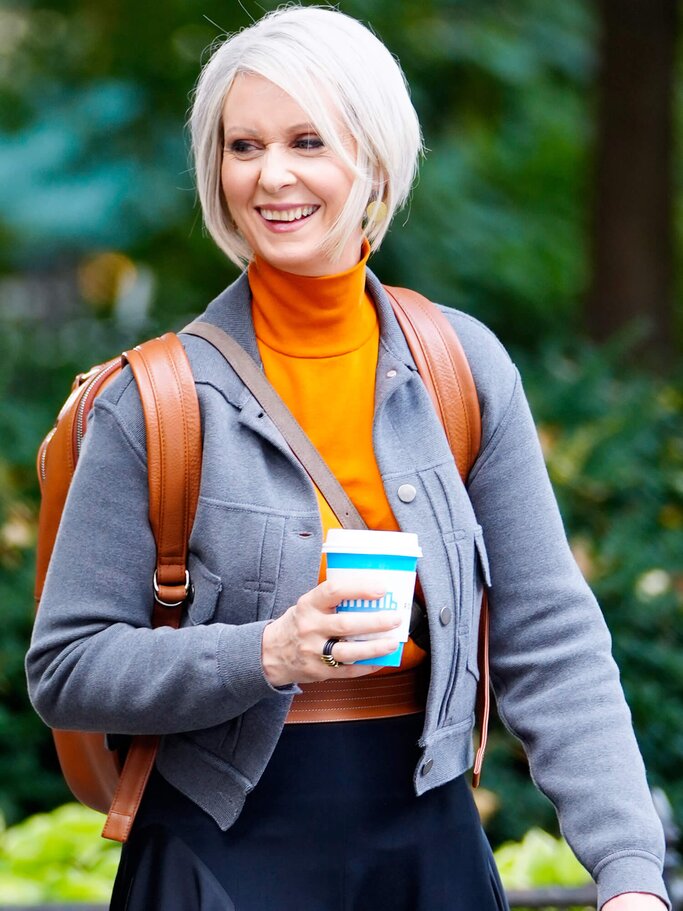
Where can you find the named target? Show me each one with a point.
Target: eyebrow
(246, 131)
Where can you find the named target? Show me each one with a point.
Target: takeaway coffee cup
(382, 559)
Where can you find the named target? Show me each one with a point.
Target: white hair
(314, 54)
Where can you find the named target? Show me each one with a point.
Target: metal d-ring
(158, 600)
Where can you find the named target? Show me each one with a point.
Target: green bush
(57, 856)
(538, 860)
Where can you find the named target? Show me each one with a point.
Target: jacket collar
(231, 311)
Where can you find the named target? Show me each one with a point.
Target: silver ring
(327, 655)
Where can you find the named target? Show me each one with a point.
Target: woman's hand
(293, 643)
(634, 901)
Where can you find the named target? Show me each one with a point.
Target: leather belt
(353, 699)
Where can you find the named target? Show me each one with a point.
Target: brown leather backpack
(169, 401)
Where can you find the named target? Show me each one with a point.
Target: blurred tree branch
(632, 224)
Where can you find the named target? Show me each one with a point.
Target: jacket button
(407, 493)
(445, 615)
(427, 767)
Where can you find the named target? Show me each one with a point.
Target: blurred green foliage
(91, 116)
(538, 860)
(101, 245)
(57, 856)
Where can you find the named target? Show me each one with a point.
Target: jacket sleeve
(556, 683)
(95, 663)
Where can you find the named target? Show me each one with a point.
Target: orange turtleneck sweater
(318, 338)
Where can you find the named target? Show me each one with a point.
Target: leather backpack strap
(254, 379)
(483, 707)
(174, 454)
(444, 369)
(171, 409)
(133, 780)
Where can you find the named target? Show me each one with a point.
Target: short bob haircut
(314, 54)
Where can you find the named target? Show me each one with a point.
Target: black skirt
(333, 825)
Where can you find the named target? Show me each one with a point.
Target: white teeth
(287, 214)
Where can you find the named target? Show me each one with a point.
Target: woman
(305, 144)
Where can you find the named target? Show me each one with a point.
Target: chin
(297, 263)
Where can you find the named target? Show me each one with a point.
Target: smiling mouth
(297, 213)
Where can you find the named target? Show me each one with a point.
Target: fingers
(292, 644)
(348, 652)
(326, 596)
(360, 623)
(317, 612)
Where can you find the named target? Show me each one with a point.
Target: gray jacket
(95, 664)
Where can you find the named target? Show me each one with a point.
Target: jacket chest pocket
(234, 564)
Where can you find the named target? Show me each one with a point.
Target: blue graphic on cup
(363, 604)
(388, 602)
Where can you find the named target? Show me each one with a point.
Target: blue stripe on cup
(371, 561)
(365, 604)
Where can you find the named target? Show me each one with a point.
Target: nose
(275, 170)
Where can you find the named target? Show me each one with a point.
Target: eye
(241, 147)
(309, 143)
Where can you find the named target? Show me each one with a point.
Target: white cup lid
(358, 541)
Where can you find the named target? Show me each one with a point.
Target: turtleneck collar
(312, 316)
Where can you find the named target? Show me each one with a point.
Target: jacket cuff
(630, 873)
(240, 668)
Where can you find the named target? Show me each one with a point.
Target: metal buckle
(171, 603)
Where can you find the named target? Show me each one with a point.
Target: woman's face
(283, 187)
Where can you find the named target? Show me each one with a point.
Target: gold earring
(376, 211)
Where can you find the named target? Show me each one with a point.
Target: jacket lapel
(231, 311)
